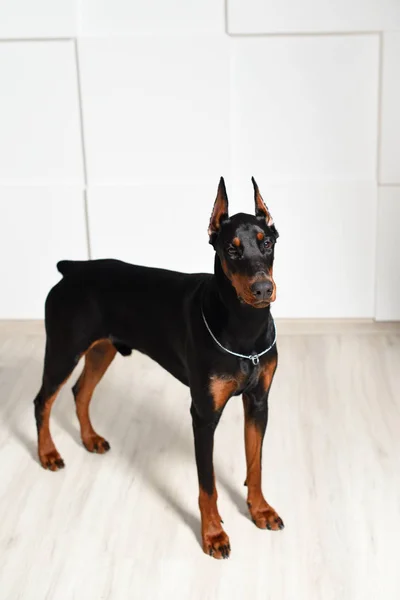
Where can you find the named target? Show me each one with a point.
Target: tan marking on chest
(268, 371)
(222, 388)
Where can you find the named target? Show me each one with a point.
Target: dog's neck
(235, 322)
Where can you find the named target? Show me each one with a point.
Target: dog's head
(245, 246)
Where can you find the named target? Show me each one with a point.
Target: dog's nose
(262, 290)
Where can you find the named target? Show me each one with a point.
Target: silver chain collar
(255, 358)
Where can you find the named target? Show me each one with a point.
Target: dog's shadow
(19, 419)
(16, 410)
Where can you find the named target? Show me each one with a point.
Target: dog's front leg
(256, 417)
(205, 418)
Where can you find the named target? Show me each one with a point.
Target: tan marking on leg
(49, 457)
(215, 540)
(263, 515)
(97, 359)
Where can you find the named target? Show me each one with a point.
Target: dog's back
(135, 307)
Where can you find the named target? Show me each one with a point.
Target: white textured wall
(118, 116)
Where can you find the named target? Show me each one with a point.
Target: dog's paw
(265, 517)
(96, 443)
(217, 544)
(52, 461)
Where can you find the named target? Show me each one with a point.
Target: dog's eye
(268, 244)
(232, 252)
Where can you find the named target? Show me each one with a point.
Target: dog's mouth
(255, 304)
(262, 304)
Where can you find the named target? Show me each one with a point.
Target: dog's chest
(248, 377)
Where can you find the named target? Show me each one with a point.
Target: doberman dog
(214, 333)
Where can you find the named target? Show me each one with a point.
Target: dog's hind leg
(97, 360)
(57, 369)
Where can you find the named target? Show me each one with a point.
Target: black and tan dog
(214, 333)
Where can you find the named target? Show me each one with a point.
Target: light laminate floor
(126, 525)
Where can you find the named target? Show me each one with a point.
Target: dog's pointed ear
(260, 206)
(220, 210)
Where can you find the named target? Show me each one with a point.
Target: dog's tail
(67, 266)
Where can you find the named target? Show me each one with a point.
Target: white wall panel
(390, 134)
(325, 256)
(308, 16)
(39, 114)
(37, 18)
(153, 225)
(305, 107)
(101, 17)
(170, 103)
(388, 255)
(155, 108)
(38, 227)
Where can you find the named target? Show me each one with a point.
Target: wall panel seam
(304, 34)
(83, 147)
(378, 166)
